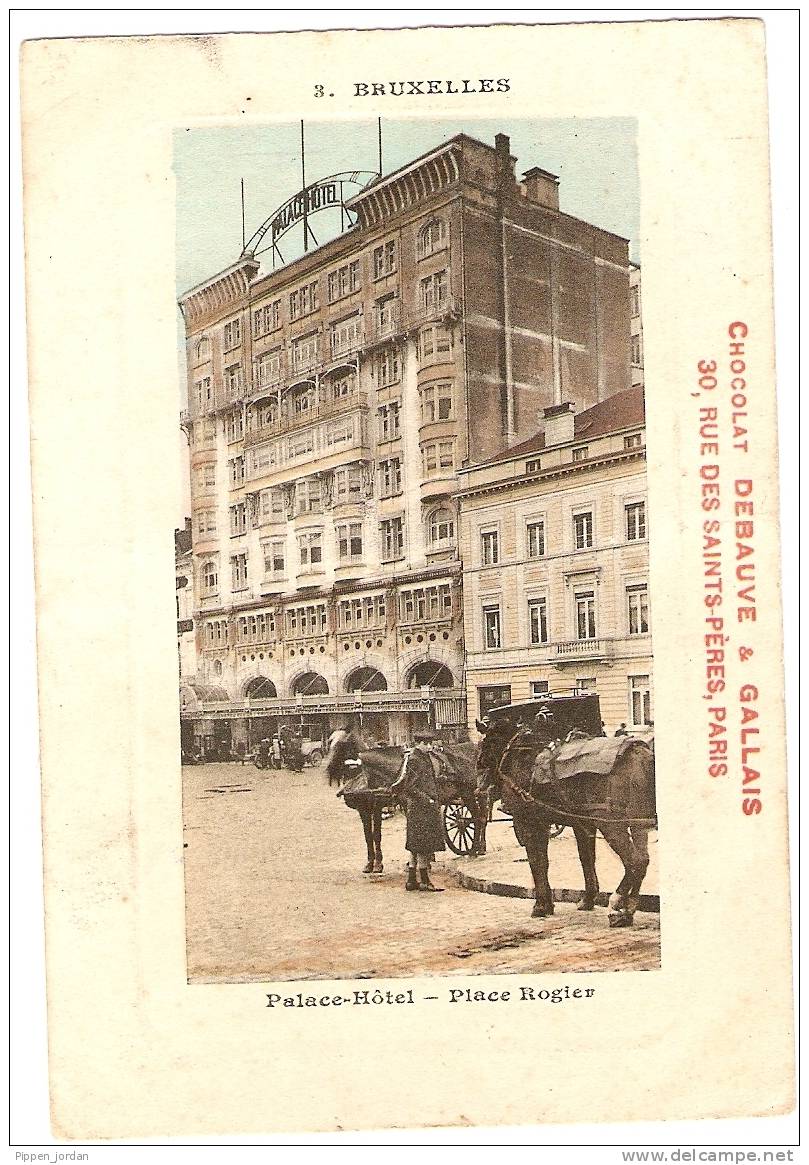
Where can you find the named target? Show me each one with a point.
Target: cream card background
(134, 1050)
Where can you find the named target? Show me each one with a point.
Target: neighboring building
(554, 538)
(184, 579)
(331, 404)
(635, 327)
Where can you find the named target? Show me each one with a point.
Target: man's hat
(425, 734)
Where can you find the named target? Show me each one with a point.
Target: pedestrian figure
(621, 730)
(418, 789)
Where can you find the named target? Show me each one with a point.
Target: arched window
(310, 684)
(441, 528)
(260, 688)
(432, 237)
(366, 679)
(217, 667)
(430, 674)
(210, 577)
(203, 350)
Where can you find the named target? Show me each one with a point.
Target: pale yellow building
(554, 542)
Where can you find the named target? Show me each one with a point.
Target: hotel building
(331, 405)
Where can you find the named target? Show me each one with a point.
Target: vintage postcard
(462, 734)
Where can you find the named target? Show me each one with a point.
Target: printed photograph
(414, 626)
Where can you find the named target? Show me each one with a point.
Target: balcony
(384, 326)
(449, 705)
(289, 420)
(574, 650)
(434, 308)
(343, 347)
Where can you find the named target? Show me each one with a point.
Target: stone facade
(554, 540)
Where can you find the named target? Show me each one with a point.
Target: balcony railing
(450, 701)
(435, 308)
(347, 345)
(584, 648)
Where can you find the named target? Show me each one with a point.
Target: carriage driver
(425, 837)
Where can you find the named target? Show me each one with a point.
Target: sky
(595, 159)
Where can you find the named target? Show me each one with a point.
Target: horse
(617, 800)
(360, 772)
(365, 787)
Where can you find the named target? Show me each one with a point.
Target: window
(491, 625)
(635, 350)
(349, 541)
(434, 292)
(203, 350)
(441, 528)
(489, 547)
(431, 237)
(388, 414)
(385, 259)
(436, 402)
(640, 700)
(267, 318)
(535, 537)
(583, 530)
(206, 476)
(342, 387)
(586, 684)
(539, 688)
(273, 506)
(210, 578)
(238, 570)
(533, 466)
(392, 538)
(206, 523)
(581, 454)
(344, 281)
(538, 620)
(362, 612)
(303, 400)
(633, 441)
(426, 604)
(304, 352)
(303, 301)
(234, 380)
(637, 599)
(387, 367)
(274, 558)
(390, 477)
(236, 466)
(348, 484)
(238, 519)
(586, 615)
(635, 521)
(344, 335)
(634, 301)
(234, 426)
(233, 334)
(386, 314)
(438, 456)
(204, 392)
(268, 368)
(308, 496)
(434, 342)
(310, 546)
(262, 416)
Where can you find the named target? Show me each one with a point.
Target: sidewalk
(504, 869)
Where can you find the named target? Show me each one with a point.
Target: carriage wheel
(459, 827)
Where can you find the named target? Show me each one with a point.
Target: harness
(529, 798)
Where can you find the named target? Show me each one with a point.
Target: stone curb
(649, 903)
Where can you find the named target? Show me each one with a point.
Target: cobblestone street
(274, 892)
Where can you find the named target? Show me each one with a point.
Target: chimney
(542, 187)
(505, 162)
(559, 424)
